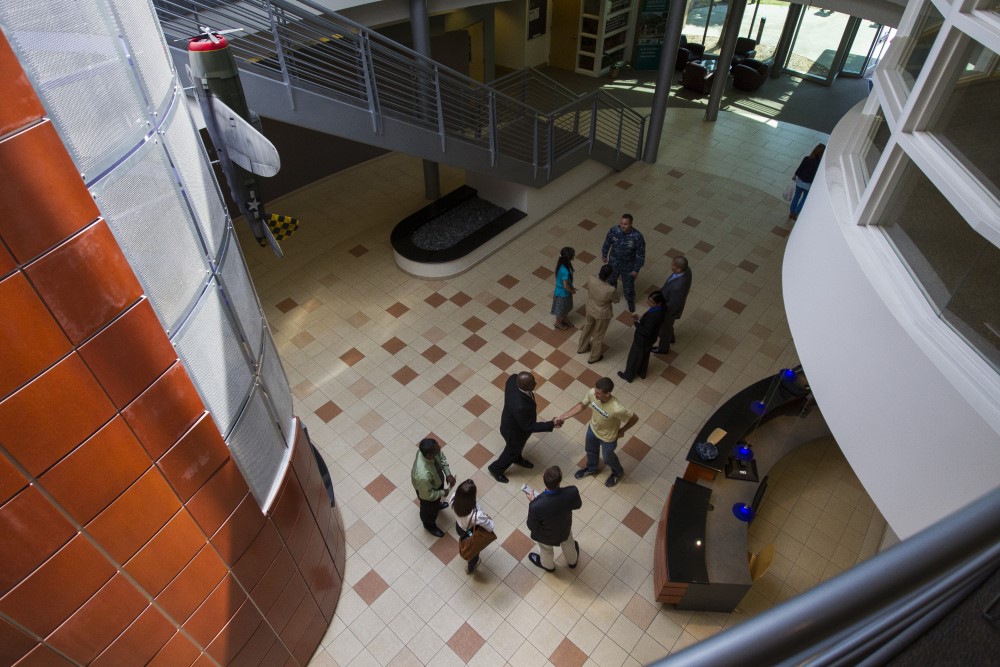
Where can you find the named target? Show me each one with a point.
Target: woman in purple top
(803, 178)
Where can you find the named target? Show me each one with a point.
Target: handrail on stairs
(311, 48)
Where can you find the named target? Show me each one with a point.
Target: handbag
(789, 192)
(474, 540)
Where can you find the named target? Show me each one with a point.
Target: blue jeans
(595, 446)
(798, 200)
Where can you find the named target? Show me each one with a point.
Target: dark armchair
(745, 48)
(749, 75)
(697, 78)
(688, 52)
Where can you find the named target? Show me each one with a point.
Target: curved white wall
(918, 436)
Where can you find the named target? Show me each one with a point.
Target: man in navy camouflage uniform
(625, 250)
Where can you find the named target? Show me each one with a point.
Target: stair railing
(526, 115)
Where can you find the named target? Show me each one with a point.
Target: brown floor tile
(704, 246)
(474, 342)
(521, 580)
(543, 273)
(760, 331)
(562, 379)
(466, 643)
(397, 309)
(624, 185)
(541, 403)
(302, 339)
(780, 231)
(498, 305)
(435, 300)
(735, 306)
(558, 358)
(637, 521)
(432, 396)
(358, 250)
(370, 587)
(587, 224)
(405, 375)
(286, 305)
(473, 324)
(478, 456)
(673, 375)
(477, 405)
(500, 381)
(380, 488)
(636, 448)
(352, 356)
(358, 320)
(508, 281)
(639, 612)
(748, 266)
(460, 299)
(524, 305)
(434, 354)
(691, 221)
(328, 411)
(513, 331)
(588, 378)
(709, 362)
(445, 548)
(393, 345)
(568, 654)
(447, 384)
(518, 544)
(674, 173)
(585, 257)
(529, 359)
(502, 361)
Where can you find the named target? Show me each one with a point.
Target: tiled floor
(378, 360)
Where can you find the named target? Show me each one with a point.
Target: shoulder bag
(475, 539)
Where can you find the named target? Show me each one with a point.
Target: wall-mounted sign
(537, 15)
(652, 25)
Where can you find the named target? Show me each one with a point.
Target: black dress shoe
(622, 376)
(660, 350)
(443, 505)
(536, 560)
(577, 545)
(524, 463)
(434, 530)
(500, 477)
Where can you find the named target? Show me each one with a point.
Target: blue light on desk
(758, 407)
(788, 374)
(743, 512)
(743, 452)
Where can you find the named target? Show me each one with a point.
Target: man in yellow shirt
(608, 424)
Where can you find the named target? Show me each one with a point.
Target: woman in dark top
(647, 329)
(803, 178)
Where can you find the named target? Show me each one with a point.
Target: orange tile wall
(127, 533)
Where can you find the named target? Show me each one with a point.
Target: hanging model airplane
(244, 153)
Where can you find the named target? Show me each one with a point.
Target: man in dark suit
(550, 520)
(517, 422)
(675, 292)
(646, 329)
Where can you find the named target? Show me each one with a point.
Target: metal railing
(873, 611)
(528, 116)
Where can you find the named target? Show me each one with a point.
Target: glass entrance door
(818, 44)
(867, 45)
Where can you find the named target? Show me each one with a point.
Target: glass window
(967, 122)
(955, 266)
(878, 139)
(761, 21)
(921, 41)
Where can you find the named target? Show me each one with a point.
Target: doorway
(826, 44)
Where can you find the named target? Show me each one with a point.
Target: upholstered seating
(745, 48)
(697, 78)
(749, 75)
(688, 52)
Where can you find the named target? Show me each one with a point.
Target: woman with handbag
(474, 526)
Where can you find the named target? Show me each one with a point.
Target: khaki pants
(548, 555)
(592, 337)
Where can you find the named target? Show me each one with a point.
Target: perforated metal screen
(258, 448)
(272, 374)
(72, 52)
(145, 43)
(148, 217)
(212, 353)
(239, 293)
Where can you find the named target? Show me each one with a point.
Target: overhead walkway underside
(329, 74)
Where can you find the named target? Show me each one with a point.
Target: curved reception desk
(700, 559)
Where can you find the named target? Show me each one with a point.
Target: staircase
(324, 72)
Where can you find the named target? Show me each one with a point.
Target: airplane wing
(246, 146)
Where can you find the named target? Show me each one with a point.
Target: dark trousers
(512, 453)
(666, 333)
(638, 359)
(429, 512)
(628, 283)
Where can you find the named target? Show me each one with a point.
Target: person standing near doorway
(803, 178)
